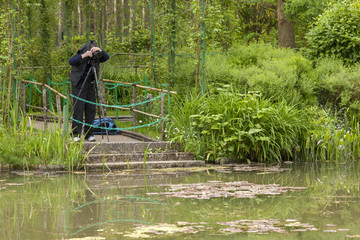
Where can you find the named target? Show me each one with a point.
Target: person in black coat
(83, 86)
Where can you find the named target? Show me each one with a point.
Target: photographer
(83, 86)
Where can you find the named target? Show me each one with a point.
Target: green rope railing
(127, 128)
(122, 106)
(117, 106)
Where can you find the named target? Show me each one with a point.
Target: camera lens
(97, 54)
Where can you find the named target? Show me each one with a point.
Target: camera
(97, 55)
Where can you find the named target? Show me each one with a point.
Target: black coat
(77, 70)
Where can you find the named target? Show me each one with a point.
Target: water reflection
(118, 206)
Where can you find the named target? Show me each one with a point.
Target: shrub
(336, 32)
(261, 67)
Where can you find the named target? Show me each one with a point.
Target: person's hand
(87, 54)
(95, 49)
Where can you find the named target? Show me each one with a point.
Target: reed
(239, 127)
(21, 144)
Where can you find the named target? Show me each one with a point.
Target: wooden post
(23, 98)
(44, 106)
(133, 107)
(103, 97)
(162, 115)
(58, 106)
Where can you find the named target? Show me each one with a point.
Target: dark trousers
(81, 107)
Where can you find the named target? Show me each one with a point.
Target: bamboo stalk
(147, 114)
(44, 108)
(47, 86)
(36, 83)
(23, 98)
(133, 54)
(140, 86)
(35, 107)
(133, 107)
(162, 115)
(58, 106)
(55, 91)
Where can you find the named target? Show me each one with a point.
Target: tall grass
(246, 127)
(331, 141)
(238, 127)
(21, 144)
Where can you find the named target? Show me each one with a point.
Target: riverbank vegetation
(253, 84)
(270, 104)
(21, 144)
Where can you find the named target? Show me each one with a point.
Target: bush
(261, 67)
(336, 33)
(336, 85)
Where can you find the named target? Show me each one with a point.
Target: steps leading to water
(110, 156)
(139, 157)
(129, 147)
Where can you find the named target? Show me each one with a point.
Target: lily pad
(216, 189)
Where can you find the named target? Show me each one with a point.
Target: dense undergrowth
(270, 104)
(262, 104)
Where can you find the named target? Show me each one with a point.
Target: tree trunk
(285, 28)
(79, 19)
(61, 22)
(122, 20)
(131, 18)
(143, 14)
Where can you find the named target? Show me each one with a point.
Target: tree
(285, 27)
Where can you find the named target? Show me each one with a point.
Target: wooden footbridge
(126, 150)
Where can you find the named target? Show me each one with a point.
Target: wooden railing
(45, 109)
(134, 110)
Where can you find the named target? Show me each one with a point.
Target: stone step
(139, 178)
(140, 165)
(129, 147)
(139, 157)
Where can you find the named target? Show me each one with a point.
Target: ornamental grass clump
(23, 145)
(239, 127)
(331, 141)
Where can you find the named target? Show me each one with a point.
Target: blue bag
(108, 123)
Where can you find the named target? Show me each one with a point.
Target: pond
(294, 201)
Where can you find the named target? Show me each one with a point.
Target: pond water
(303, 201)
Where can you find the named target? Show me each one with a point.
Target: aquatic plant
(238, 127)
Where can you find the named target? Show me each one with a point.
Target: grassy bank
(269, 104)
(23, 145)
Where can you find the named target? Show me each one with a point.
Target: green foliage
(22, 145)
(337, 85)
(336, 33)
(332, 140)
(239, 127)
(261, 67)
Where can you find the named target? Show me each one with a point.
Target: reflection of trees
(64, 205)
(38, 207)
